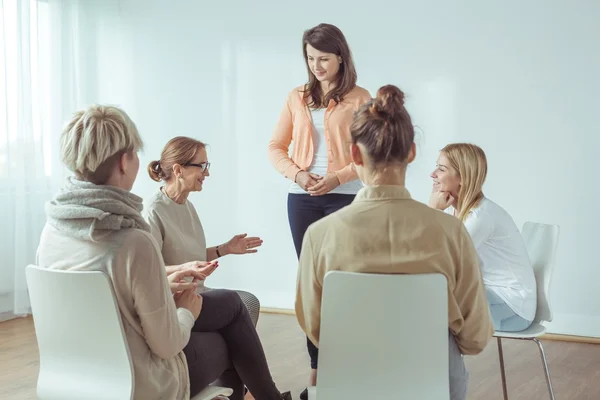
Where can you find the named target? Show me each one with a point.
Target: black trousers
(303, 210)
(224, 347)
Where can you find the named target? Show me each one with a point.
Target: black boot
(304, 395)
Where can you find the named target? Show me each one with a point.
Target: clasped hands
(317, 185)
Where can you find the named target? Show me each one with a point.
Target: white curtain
(40, 86)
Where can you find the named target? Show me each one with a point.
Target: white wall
(518, 79)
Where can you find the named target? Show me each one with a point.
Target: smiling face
(445, 177)
(194, 172)
(324, 66)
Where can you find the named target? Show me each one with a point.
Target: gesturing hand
(241, 244)
(184, 279)
(324, 186)
(205, 268)
(190, 300)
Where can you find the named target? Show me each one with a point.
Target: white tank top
(321, 159)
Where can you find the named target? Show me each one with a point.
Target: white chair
(541, 241)
(383, 337)
(82, 346)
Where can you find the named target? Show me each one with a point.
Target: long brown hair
(328, 39)
(384, 127)
(179, 150)
(470, 163)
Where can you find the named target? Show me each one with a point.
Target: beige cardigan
(385, 231)
(156, 331)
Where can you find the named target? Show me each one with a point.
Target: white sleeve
(186, 320)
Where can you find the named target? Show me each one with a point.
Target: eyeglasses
(204, 166)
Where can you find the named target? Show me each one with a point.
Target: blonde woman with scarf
(179, 341)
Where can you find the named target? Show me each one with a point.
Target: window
(25, 140)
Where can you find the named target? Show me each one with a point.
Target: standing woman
(316, 118)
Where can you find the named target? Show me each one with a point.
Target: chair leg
(502, 373)
(546, 370)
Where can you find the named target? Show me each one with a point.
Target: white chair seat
(212, 392)
(534, 330)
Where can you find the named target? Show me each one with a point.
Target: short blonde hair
(93, 140)
(470, 163)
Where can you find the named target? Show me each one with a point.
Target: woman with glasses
(179, 341)
(174, 222)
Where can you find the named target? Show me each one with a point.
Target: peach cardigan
(295, 124)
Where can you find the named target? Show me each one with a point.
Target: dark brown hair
(328, 39)
(179, 150)
(384, 127)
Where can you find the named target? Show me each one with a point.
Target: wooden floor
(575, 368)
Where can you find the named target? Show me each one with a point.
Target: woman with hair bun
(179, 341)
(415, 239)
(183, 166)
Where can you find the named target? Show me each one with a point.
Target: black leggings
(303, 210)
(224, 347)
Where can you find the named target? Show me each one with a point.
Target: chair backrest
(383, 337)
(83, 351)
(541, 241)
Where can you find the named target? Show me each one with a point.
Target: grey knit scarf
(91, 212)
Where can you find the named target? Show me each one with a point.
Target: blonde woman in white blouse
(506, 269)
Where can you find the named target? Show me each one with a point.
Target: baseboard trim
(547, 336)
(570, 338)
(280, 311)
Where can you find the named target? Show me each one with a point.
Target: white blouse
(505, 264)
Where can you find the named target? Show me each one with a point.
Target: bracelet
(218, 254)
